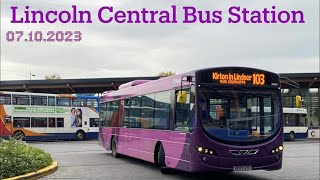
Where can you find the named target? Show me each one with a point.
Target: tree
(53, 76)
(166, 73)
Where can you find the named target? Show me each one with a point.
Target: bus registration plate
(242, 168)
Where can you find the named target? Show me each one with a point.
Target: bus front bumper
(213, 163)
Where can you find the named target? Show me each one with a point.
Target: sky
(132, 50)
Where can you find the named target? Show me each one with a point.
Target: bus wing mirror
(8, 120)
(182, 97)
(298, 101)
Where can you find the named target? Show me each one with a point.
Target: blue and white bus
(295, 123)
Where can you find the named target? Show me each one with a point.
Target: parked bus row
(204, 120)
(295, 122)
(22, 112)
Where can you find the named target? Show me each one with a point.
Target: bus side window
(92, 102)
(103, 114)
(52, 122)
(126, 117)
(39, 100)
(5, 99)
(147, 111)
(60, 122)
(20, 99)
(63, 101)
(182, 114)
(162, 110)
(78, 102)
(51, 101)
(113, 114)
(94, 122)
(21, 122)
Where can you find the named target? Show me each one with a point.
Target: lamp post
(31, 75)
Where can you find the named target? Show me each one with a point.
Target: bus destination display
(239, 78)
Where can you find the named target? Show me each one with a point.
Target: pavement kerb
(37, 174)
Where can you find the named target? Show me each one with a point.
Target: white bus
(38, 116)
(295, 123)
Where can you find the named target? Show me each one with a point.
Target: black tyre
(18, 135)
(114, 148)
(161, 161)
(80, 136)
(292, 136)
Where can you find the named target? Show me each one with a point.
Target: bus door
(184, 111)
(184, 121)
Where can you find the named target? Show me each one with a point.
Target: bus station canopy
(305, 80)
(68, 86)
(99, 85)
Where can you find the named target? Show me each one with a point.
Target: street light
(31, 74)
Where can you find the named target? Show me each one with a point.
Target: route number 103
(258, 79)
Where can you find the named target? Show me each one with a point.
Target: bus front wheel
(80, 136)
(18, 135)
(114, 148)
(161, 160)
(292, 136)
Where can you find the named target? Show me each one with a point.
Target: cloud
(118, 50)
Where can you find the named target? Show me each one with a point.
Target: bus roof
(45, 94)
(26, 93)
(133, 83)
(141, 87)
(147, 87)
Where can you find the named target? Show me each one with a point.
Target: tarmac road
(87, 160)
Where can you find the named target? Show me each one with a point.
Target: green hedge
(17, 158)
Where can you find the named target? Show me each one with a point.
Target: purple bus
(198, 121)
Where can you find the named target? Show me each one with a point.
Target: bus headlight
(280, 148)
(277, 149)
(204, 150)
